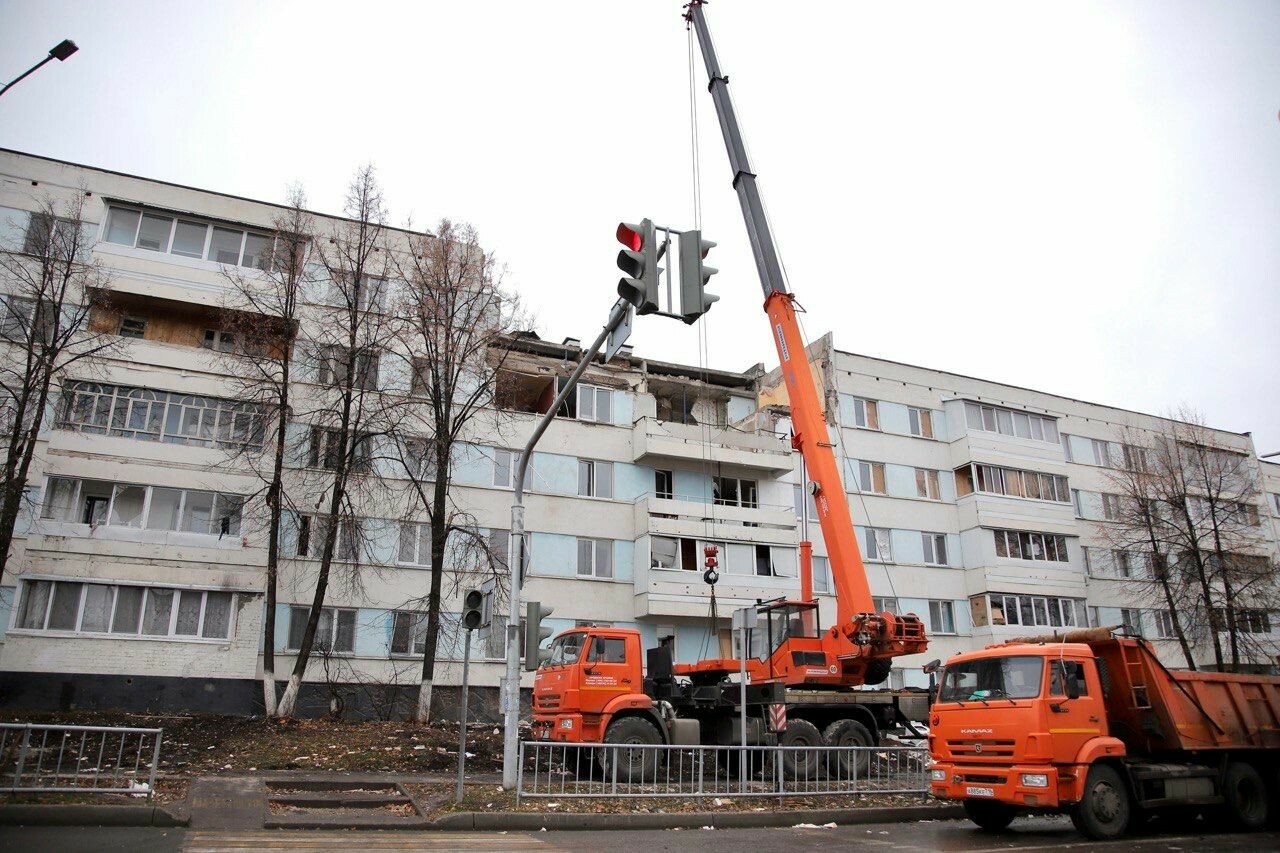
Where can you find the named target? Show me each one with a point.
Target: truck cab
(589, 677)
(1014, 724)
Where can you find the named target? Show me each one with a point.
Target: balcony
(686, 517)
(653, 441)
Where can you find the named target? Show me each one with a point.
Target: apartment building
(137, 577)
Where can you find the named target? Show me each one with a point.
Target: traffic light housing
(638, 260)
(473, 609)
(534, 632)
(694, 275)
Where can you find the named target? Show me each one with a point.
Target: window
(595, 479)
(927, 484)
(500, 544)
(95, 608)
(504, 469)
(133, 327)
(1077, 504)
(884, 605)
(1064, 673)
(870, 477)
(314, 529)
(921, 422)
(821, 574)
(21, 321)
(369, 296)
(1012, 482)
(1164, 625)
(1027, 545)
(1036, 610)
(97, 502)
(770, 560)
(595, 558)
(1102, 453)
(1111, 507)
(732, 491)
(1135, 458)
(866, 413)
(327, 449)
(1131, 617)
(797, 496)
(415, 543)
(664, 553)
(51, 237)
(332, 362)
(1275, 503)
(1010, 422)
(161, 232)
(663, 485)
(221, 341)
(336, 631)
(148, 415)
(941, 617)
(876, 544)
(935, 548)
(408, 632)
(594, 404)
(419, 459)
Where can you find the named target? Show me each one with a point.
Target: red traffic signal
(630, 236)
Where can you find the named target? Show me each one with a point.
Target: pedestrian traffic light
(694, 275)
(639, 261)
(473, 609)
(534, 632)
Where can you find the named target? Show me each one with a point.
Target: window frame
(930, 542)
(866, 413)
(207, 246)
(592, 469)
(336, 614)
(920, 422)
(596, 549)
(942, 611)
(177, 594)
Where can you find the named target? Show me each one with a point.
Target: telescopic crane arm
(853, 593)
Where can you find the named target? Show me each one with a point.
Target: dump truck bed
(1157, 711)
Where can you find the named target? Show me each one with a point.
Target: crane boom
(885, 635)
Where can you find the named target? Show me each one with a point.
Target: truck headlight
(938, 775)
(567, 723)
(1035, 780)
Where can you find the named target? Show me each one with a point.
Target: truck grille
(985, 778)
(981, 748)
(549, 700)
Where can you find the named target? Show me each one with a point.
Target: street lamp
(60, 52)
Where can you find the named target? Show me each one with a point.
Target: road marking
(269, 840)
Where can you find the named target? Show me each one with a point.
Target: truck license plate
(974, 791)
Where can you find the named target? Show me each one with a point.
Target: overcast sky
(1082, 198)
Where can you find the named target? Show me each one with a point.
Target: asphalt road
(1027, 834)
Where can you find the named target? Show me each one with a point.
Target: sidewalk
(293, 801)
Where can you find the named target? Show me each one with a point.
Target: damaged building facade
(137, 577)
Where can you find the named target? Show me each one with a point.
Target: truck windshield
(992, 678)
(566, 649)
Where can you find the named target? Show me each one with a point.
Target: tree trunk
(289, 700)
(21, 452)
(423, 713)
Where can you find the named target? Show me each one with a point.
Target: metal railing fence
(608, 770)
(78, 759)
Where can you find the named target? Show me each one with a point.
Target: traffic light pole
(515, 551)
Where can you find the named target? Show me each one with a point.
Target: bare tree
(262, 315)
(453, 311)
(1193, 505)
(48, 289)
(347, 415)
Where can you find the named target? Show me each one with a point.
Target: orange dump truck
(1093, 725)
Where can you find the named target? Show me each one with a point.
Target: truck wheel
(848, 763)
(877, 671)
(800, 763)
(991, 815)
(634, 765)
(1245, 795)
(1104, 812)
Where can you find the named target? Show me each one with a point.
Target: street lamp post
(60, 52)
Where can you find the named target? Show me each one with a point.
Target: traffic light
(639, 261)
(694, 275)
(473, 609)
(534, 633)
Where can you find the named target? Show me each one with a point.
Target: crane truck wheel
(1104, 811)
(990, 815)
(634, 765)
(848, 763)
(877, 671)
(1245, 795)
(800, 763)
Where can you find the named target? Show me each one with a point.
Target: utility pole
(511, 688)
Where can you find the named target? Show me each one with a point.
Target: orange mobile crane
(591, 688)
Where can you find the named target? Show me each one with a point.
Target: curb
(82, 814)
(531, 822)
